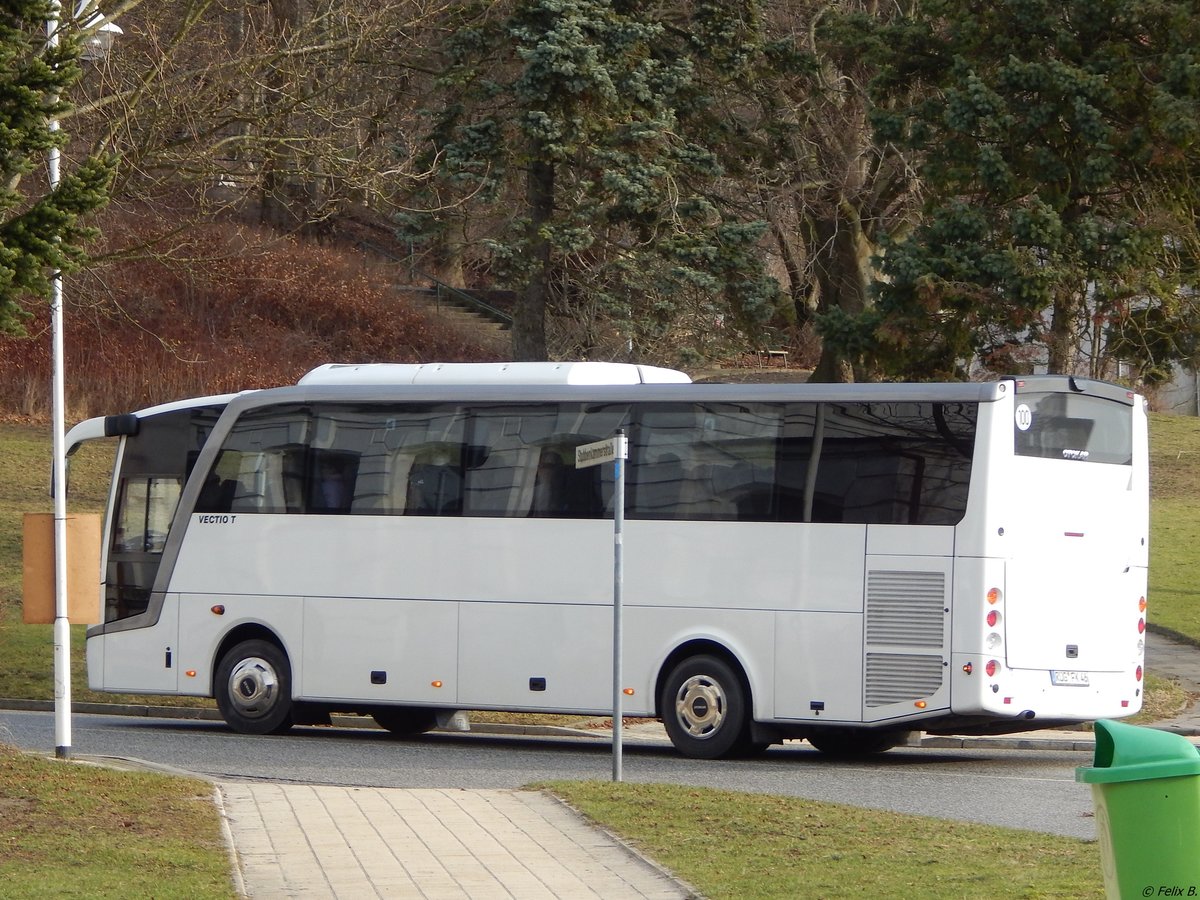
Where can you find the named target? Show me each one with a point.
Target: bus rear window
(1074, 427)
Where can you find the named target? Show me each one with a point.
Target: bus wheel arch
(252, 682)
(705, 702)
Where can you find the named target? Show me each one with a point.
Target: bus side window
(217, 494)
(562, 491)
(660, 488)
(147, 506)
(372, 484)
(331, 486)
(434, 488)
(550, 485)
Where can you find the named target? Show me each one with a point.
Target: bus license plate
(1077, 679)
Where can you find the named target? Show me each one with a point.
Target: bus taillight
(1138, 673)
(992, 667)
(1141, 604)
(994, 640)
(1141, 626)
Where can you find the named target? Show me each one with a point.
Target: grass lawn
(1175, 525)
(70, 830)
(745, 846)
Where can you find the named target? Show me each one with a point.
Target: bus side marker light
(628, 692)
(993, 596)
(1124, 704)
(968, 668)
(920, 704)
(1008, 700)
(190, 673)
(218, 610)
(436, 684)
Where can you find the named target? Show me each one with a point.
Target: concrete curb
(200, 713)
(630, 848)
(1032, 740)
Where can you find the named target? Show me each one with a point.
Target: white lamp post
(98, 42)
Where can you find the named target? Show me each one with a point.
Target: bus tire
(405, 721)
(857, 742)
(253, 687)
(703, 706)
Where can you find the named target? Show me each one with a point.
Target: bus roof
(503, 392)
(109, 426)
(522, 373)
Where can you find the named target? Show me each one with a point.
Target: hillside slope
(229, 308)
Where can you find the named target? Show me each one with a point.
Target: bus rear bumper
(1042, 696)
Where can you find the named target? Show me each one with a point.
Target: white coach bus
(842, 563)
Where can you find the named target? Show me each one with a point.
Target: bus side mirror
(120, 426)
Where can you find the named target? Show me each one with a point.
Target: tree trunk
(797, 283)
(1063, 346)
(529, 316)
(841, 257)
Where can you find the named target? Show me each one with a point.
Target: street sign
(609, 450)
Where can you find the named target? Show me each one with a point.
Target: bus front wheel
(703, 706)
(254, 688)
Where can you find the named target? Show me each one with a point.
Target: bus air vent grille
(906, 609)
(899, 678)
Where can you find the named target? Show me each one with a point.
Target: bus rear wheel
(703, 706)
(405, 721)
(254, 688)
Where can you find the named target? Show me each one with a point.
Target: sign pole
(621, 452)
(616, 451)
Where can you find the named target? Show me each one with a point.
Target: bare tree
(291, 108)
(828, 188)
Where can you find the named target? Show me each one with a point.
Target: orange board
(83, 569)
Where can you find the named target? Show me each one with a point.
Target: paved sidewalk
(344, 842)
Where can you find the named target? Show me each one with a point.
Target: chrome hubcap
(700, 706)
(253, 687)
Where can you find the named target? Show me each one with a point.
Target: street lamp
(99, 39)
(101, 34)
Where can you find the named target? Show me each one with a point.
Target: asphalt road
(1030, 789)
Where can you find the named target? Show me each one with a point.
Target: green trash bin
(1146, 789)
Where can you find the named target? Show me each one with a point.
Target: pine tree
(1059, 141)
(40, 231)
(558, 125)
